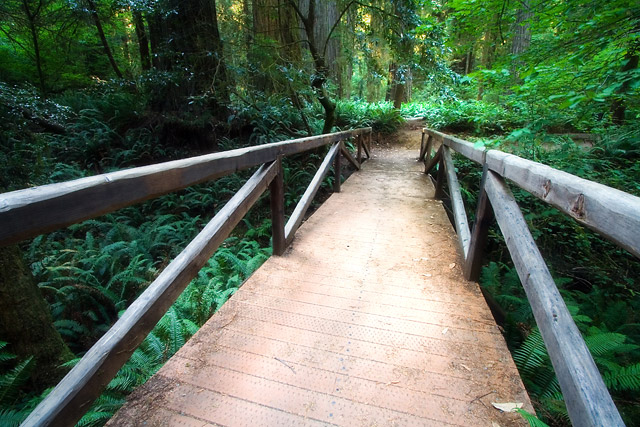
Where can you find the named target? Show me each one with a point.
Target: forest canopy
(91, 86)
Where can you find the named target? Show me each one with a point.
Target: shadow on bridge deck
(366, 320)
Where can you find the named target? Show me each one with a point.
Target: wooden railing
(612, 213)
(28, 213)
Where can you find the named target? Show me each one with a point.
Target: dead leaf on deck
(507, 406)
(452, 265)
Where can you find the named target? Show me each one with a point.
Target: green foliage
(531, 419)
(535, 367)
(380, 116)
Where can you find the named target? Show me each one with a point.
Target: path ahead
(365, 321)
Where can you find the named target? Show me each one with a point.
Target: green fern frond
(532, 354)
(626, 378)
(12, 417)
(531, 419)
(604, 343)
(4, 355)
(11, 381)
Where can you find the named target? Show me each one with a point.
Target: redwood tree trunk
(143, 40)
(319, 81)
(25, 320)
(93, 9)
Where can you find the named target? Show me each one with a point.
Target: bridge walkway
(365, 321)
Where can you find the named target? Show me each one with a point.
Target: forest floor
(365, 320)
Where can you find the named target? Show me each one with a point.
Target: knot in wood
(578, 207)
(547, 188)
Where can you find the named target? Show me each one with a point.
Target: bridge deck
(366, 320)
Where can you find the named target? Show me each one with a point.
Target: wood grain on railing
(612, 213)
(459, 214)
(305, 201)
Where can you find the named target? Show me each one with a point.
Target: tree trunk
(31, 17)
(618, 108)
(319, 81)
(522, 30)
(521, 38)
(26, 323)
(192, 39)
(93, 9)
(143, 40)
(154, 21)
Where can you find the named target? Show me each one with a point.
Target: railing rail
(612, 213)
(27, 213)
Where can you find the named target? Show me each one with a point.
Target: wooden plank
(459, 214)
(301, 208)
(347, 154)
(463, 147)
(337, 168)
(276, 190)
(587, 398)
(30, 212)
(65, 405)
(484, 218)
(360, 142)
(612, 213)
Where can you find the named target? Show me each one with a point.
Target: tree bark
(316, 48)
(143, 40)
(521, 29)
(93, 10)
(618, 108)
(26, 323)
(31, 17)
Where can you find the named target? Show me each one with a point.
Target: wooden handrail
(305, 201)
(587, 398)
(34, 211)
(73, 396)
(612, 213)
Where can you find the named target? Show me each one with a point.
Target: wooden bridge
(367, 317)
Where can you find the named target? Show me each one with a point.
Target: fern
(532, 354)
(531, 419)
(11, 381)
(12, 417)
(624, 379)
(4, 355)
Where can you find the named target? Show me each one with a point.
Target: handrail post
(360, 142)
(276, 193)
(427, 148)
(484, 218)
(337, 166)
(440, 180)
